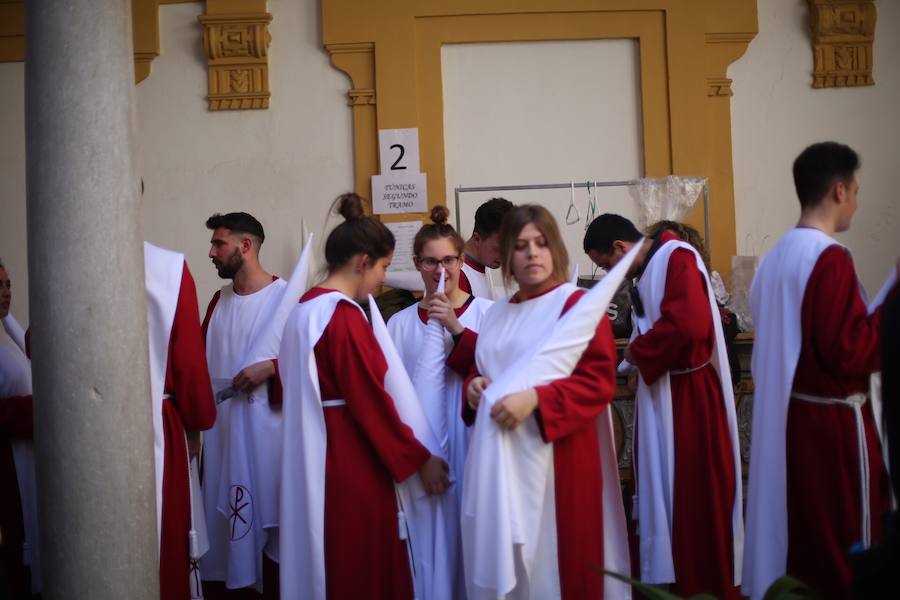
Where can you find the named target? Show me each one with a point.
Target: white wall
(543, 112)
(776, 113)
(280, 164)
(13, 238)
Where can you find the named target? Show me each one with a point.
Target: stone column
(93, 427)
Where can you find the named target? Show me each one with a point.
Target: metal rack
(565, 186)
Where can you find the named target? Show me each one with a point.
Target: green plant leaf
(788, 588)
(651, 592)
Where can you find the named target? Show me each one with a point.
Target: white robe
(163, 270)
(480, 282)
(242, 452)
(15, 380)
(413, 342)
(656, 475)
(409, 335)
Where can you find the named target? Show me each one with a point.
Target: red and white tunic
(345, 447)
(554, 514)
(810, 470)
(687, 448)
(182, 401)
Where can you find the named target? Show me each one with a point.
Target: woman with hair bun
(438, 254)
(345, 444)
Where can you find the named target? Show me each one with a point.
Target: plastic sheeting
(666, 199)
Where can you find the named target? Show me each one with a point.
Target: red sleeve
(462, 356)
(468, 415)
(463, 283)
(209, 311)
(844, 336)
(570, 403)
(353, 346)
(187, 375)
(276, 392)
(685, 319)
(16, 417)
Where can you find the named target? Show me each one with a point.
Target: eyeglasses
(430, 264)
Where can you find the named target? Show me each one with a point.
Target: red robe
(369, 448)
(567, 415)
(682, 338)
(15, 422)
(839, 350)
(190, 407)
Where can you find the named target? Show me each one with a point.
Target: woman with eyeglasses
(456, 315)
(563, 513)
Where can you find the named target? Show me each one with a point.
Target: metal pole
(545, 186)
(706, 237)
(458, 218)
(93, 426)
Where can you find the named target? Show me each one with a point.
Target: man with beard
(243, 451)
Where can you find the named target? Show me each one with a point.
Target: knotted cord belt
(855, 402)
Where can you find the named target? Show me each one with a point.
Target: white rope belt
(856, 402)
(689, 370)
(168, 396)
(333, 403)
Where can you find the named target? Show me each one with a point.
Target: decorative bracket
(236, 46)
(843, 33)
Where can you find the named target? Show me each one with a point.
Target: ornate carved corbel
(843, 33)
(236, 47)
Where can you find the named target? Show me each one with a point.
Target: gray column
(93, 427)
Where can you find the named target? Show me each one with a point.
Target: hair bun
(350, 206)
(440, 214)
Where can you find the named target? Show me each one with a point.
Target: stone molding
(357, 61)
(843, 34)
(718, 86)
(236, 46)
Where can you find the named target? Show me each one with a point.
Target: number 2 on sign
(394, 166)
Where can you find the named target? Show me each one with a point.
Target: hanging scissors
(569, 220)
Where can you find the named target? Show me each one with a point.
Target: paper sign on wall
(400, 188)
(399, 193)
(399, 150)
(404, 234)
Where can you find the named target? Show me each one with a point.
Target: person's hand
(251, 377)
(627, 354)
(475, 390)
(511, 410)
(632, 384)
(194, 443)
(434, 475)
(439, 308)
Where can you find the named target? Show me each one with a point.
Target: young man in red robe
(697, 546)
(187, 409)
(15, 424)
(818, 485)
(482, 249)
